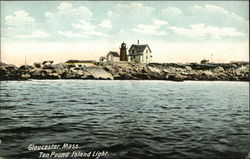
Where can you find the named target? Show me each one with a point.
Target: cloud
(128, 14)
(197, 9)
(48, 14)
(158, 22)
(86, 28)
(64, 5)
(152, 29)
(95, 33)
(84, 25)
(110, 13)
(106, 23)
(69, 34)
(68, 17)
(214, 11)
(129, 11)
(239, 19)
(20, 19)
(172, 11)
(82, 34)
(22, 25)
(35, 34)
(66, 13)
(200, 30)
(134, 6)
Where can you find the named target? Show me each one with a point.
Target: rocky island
(129, 71)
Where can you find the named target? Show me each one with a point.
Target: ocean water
(126, 119)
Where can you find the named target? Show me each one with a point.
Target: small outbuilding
(113, 57)
(102, 59)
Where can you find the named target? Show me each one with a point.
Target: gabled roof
(139, 48)
(115, 54)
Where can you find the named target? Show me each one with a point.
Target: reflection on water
(129, 119)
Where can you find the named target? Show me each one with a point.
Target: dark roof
(115, 54)
(79, 61)
(135, 54)
(140, 48)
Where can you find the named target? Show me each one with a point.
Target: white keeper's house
(140, 53)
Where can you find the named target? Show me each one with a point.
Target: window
(133, 51)
(146, 51)
(146, 57)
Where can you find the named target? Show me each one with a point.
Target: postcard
(124, 80)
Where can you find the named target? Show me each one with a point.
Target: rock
(207, 75)
(49, 66)
(25, 76)
(233, 78)
(127, 71)
(109, 68)
(223, 77)
(99, 73)
(169, 70)
(26, 67)
(36, 73)
(219, 69)
(37, 64)
(54, 76)
(155, 70)
(241, 70)
(174, 77)
(8, 72)
(47, 62)
(68, 74)
(188, 68)
(203, 66)
(60, 66)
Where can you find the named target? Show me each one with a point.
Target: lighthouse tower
(123, 52)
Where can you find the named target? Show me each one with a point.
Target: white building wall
(146, 56)
(116, 59)
(141, 59)
(111, 58)
(129, 58)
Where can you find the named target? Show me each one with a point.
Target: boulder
(25, 67)
(60, 66)
(99, 73)
(207, 75)
(49, 66)
(25, 76)
(8, 72)
(154, 69)
(174, 77)
(37, 64)
(219, 69)
(241, 70)
(223, 77)
(54, 76)
(169, 70)
(188, 68)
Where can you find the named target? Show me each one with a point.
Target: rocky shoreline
(128, 71)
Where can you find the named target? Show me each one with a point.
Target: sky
(176, 31)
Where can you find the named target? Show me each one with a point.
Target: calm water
(129, 119)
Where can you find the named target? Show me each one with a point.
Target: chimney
(137, 42)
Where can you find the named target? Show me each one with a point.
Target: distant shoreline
(128, 71)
